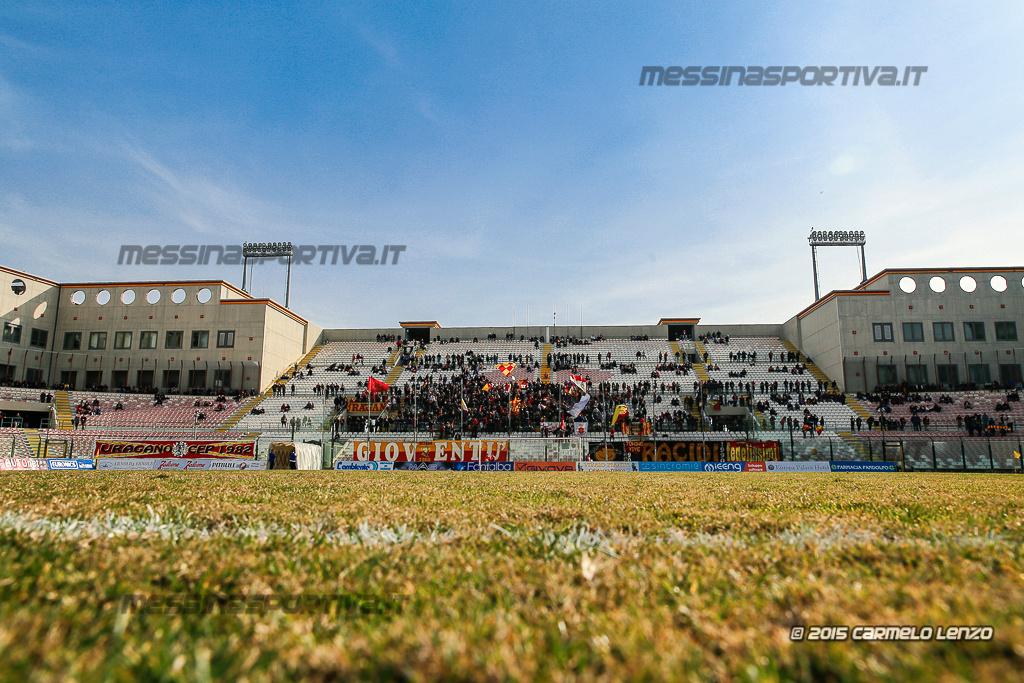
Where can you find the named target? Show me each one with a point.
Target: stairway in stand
(698, 367)
(815, 371)
(396, 369)
(545, 370)
(229, 424)
(32, 438)
(858, 446)
(62, 402)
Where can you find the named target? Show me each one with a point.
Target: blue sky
(510, 148)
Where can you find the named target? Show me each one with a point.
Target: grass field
(498, 576)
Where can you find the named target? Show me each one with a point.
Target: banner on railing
(431, 451)
(752, 451)
(858, 466)
(344, 465)
(545, 467)
(64, 464)
(670, 466)
(190, 464)
(656, 451)
(811, 466)
(607, 466)
(362, 407)
(23, 464)
(147, 448)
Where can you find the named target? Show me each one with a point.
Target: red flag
(376, 385)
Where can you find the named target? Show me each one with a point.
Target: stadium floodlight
(258, 250)
(836, 238)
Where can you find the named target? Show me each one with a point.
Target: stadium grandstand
(926, 357)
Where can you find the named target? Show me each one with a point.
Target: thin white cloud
(200, 203)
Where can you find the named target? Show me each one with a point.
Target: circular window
(103, 297)
(153, 296)
(40, 309)
(78, 298)
(968, 283)
(128, 296)
(937, 284)
(18, 287)
(178, 295)
(998, 283)
(908, 284)
(204, 295)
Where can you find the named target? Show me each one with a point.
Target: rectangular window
(123, 340)
(886, 374)
(1009, 373)
(913, 332)
(12, 333)
(72, 341)
(979, 373)
(171, 379)
(948, 374)
(974, 332)
(97, 340)
(1006, 331)
(883, 332)
(221, 378)
(200, 339)
(196, 379)
(917, 374)
(173, 341)
(226, 339)
(147, 340)
(38, 338)
(943, 332)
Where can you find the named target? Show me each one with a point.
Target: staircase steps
(230, 423)
(545, 370)
(699, 367)
(62, 402)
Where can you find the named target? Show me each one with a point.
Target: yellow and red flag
(506, 368)
(620, 411)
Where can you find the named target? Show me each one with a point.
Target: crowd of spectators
(928, 408)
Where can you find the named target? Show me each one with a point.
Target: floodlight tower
(260, 250)
(836, 238)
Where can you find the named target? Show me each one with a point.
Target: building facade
(185, 336)
(945, 327)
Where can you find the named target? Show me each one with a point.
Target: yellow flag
(1016, 455)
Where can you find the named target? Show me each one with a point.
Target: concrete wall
(609, 331)
(817, 334)
(34, 309)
